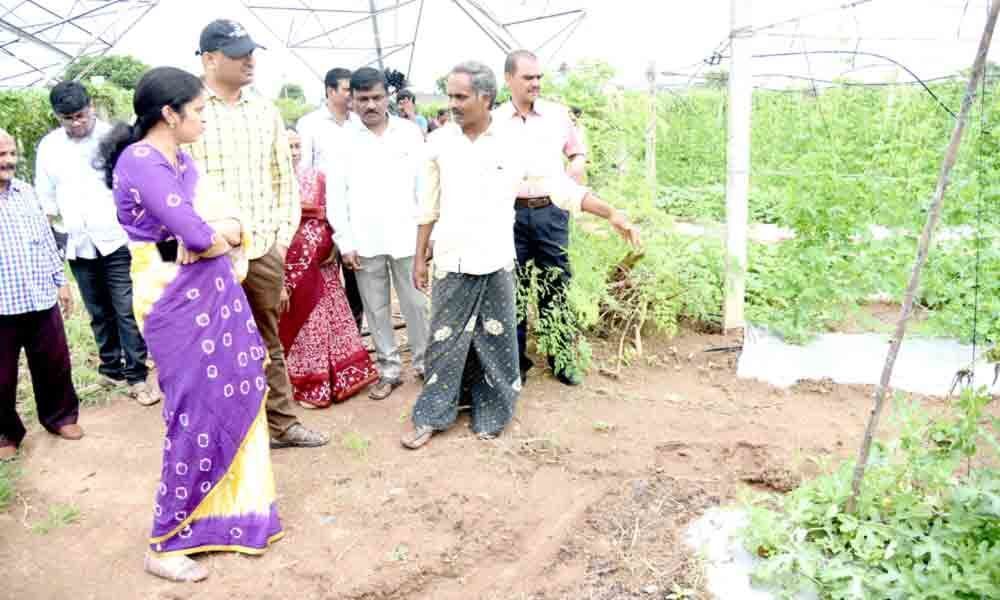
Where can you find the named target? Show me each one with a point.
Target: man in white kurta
(372, 197)
(473, 172)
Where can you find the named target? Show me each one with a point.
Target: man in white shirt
(372, 188)
(471, 182)
(72, 191)
(322, 132)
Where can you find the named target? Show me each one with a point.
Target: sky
(932, 37)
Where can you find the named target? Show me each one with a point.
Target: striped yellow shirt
(244, 150)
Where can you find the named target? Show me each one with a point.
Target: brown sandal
(382, 388)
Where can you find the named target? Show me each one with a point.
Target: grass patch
(356, 443)
(60, 515)
(8, 476)
(603, 427)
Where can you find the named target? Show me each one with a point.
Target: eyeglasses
(81, 116)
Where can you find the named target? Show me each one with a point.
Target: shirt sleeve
(574, 141)
(338, 209)
(429, 187)
(565, 193)
(287, 207)
(157, 190)
(45, 185)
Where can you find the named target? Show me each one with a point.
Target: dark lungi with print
(474, 327)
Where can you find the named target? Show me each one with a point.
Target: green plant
(292, 91)
(927, 524)
(400, 553)
(292, 109)
(123, 71)
(60, 515)
(603, 427)
(356, 443)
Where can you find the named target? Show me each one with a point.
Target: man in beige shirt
(244, 150)
(472, 177)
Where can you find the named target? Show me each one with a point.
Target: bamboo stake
(933, 216)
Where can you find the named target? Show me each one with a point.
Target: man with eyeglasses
(73, 194)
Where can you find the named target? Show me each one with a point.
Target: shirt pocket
(32, 223)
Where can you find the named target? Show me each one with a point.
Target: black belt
(539, 202)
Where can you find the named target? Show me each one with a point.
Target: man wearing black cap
(245, 151)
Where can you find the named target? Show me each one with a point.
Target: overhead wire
(909, 71)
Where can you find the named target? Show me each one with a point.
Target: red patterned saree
(326, 360)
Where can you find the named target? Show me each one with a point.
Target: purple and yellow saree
(216, 490)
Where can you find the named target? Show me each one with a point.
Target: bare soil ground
(584, 497)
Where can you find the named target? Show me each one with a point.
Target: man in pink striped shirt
(541, 231)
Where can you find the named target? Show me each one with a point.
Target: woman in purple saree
(216, 490)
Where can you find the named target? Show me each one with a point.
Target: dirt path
(583, 497)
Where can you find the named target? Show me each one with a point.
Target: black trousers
(353, 295)
(542, 235)
(106, 286)
(43, 339)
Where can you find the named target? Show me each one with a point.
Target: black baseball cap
(228, 36)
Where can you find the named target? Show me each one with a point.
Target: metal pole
(413, 44)
(378, 39)
(738, 167)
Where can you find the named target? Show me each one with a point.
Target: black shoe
(570, 375)
(572, 378)
(526, 365)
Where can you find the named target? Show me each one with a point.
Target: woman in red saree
(326, 360)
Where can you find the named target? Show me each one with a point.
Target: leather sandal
(297, 436)
(418, 437)
(382, 389)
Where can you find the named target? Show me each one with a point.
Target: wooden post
(738, 163)
(651, 136)
(923, 247)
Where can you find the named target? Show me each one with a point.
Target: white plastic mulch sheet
(924, 365)
(715, 537)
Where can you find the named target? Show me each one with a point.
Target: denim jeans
(105, 283)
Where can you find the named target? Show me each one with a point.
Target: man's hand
(284, 301)
(329, 260)
(430, 253)
(353, 261)
(66, 300)
(628, 231)
(420, 272)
